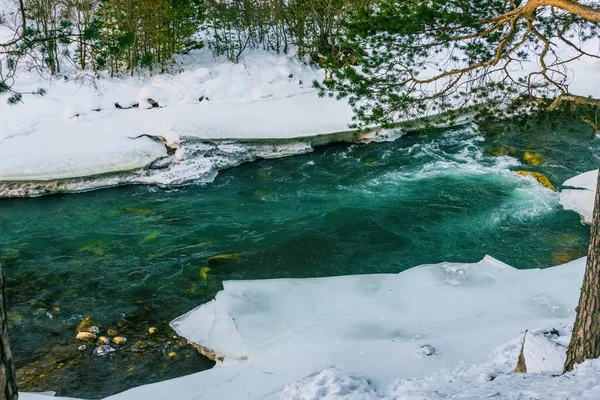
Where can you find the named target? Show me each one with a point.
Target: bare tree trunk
(585, 342)
(8, 382)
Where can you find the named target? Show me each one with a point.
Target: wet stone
(119, 340)
(84, 325)
(103, 340)
(86, 336)
(103, 350)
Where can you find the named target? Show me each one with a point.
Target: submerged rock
(567, 255)
(152, 330)
(111, 332)
(83, 347)
(139, 347)
(103, 350)
(85, 324)
(103, 340)
(86, 336)
(222, 259)
(120, 340)
(94, 329)
(541, 178)
(141, 211)
(531, 158)
(151, 236)
(204, 273)
(502, 151)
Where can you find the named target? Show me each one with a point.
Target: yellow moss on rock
(567, 255)
(502, 151)
(204, 273)
(541, 178)
(85, 324)
(531, 158)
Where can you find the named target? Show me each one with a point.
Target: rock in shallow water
(84, 325)
(541, 178)
(119, 340)
(531, 158)
(103, 340)
(87, 336)
(103, 350)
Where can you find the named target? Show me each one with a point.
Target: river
(135, 257)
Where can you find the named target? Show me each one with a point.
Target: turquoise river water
(136, 257)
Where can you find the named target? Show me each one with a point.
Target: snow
(265, 97)
(69, 153)
(587, 180)
(365, 336)
(76, 130)
(378, 325)
(581, 199)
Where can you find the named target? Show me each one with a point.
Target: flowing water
(136, 257)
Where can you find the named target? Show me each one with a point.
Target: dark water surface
(137, 257)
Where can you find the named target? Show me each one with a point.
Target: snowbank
(358, 335)
(266, 96)
(581, 198)
(85, 125)
(384, 327)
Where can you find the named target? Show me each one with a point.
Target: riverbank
(94, 131)
(96, 125)
(433, 331)
(169, 130)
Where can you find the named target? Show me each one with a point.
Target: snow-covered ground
(85, 127)
(76, 129)
(581, 198)
(431, 332)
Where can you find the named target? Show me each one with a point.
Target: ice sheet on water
(587, 180)
(581, 199)
(375, 325)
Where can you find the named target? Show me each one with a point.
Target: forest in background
(127, 36)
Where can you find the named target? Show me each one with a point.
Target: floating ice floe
(581, 198)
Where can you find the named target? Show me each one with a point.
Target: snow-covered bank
(581, 198)
(413, 334)
(91, 126)
(87, 131)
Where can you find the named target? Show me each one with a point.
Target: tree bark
(8, 381)
(585, 342)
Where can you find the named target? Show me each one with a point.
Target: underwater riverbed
(135, 257)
